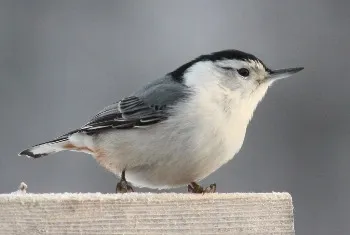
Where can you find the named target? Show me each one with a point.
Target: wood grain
(146, 213)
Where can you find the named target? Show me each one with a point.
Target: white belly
(165, 160)
(187, 147)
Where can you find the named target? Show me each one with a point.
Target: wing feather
(148, 106)
(130, 112)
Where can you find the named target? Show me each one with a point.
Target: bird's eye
(243, 72)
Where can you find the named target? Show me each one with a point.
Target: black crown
(215, 56)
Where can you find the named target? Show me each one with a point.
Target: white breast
(203, 133)
(219, 123)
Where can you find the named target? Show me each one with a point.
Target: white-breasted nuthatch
(178, 129)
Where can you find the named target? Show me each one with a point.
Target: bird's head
(233, 70)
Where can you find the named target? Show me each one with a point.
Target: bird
(177, 129)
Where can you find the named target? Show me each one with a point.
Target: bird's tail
(46, 148)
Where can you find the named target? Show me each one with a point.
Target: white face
(236, 75)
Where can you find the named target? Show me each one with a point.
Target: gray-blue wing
(144, 108)
(129, 112)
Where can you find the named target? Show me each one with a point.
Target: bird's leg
(124, 186)
(193, 187)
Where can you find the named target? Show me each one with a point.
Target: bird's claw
(193, 187)
(124, 187)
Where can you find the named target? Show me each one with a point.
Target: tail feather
(46, 148)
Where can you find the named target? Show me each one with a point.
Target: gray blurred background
(62, 61)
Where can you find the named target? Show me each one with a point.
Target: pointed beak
(282, 73)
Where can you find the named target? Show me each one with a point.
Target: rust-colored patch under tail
(70, 146)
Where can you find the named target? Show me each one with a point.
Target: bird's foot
(124, 186)
(193, 187)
